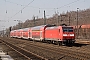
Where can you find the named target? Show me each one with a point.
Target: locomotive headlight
(65, 35)
(71, 34)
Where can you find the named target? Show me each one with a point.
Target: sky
(14, 11)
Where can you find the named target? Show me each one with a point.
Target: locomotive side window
(29, 33)
(59, 30)
(67, 29)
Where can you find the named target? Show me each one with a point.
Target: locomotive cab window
(67, 29)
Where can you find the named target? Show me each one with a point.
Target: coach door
(40, 35)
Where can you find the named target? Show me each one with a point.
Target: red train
(60, 34)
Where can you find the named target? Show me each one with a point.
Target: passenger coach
(25, 33)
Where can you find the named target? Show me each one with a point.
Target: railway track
(27, 54)
(62, 53)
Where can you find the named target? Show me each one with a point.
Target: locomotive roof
(55, 27)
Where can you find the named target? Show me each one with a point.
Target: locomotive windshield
(67, 29)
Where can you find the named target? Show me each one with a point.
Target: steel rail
(73, 54)
(27, 54)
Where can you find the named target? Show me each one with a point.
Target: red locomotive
(60, 34)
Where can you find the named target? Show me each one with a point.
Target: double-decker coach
(25, 33)
(38, 32)
(13, 33)
(19, 33)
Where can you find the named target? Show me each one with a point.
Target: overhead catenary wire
(64, 5)
(51, 9)
(69, 4)
(39, 7)
(42, 7)
(23, 8)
